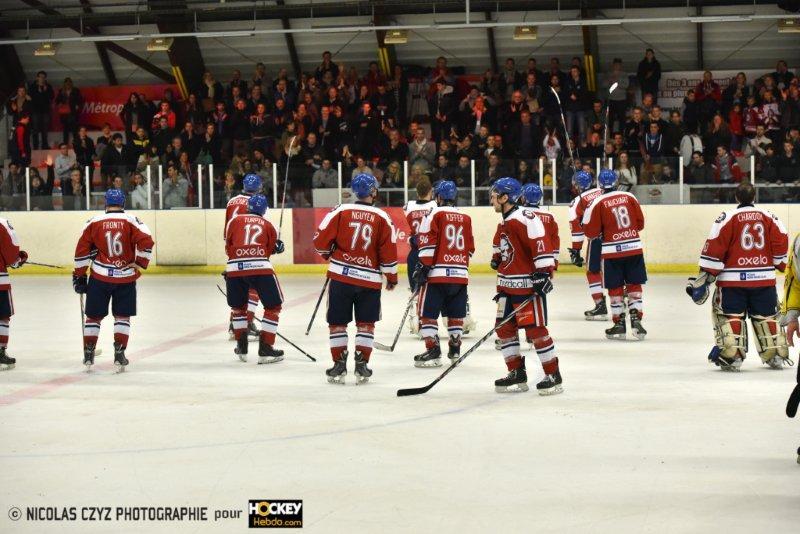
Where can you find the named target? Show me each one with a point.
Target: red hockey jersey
(361, 243)
(111, 243)
(249, 243)
(9, 252)
(446, 244)
(523, 248)
(550, 229)
(415, 211)
(236, 205)
(617, 219)
(576, 210)
(745, 247)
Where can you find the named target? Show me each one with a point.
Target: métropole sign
(103, 104)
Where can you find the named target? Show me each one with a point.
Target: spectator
(210, 146)
(635, 132)
(103, 140)
(736, 124)
(41, 195)
(726, 169)
(19, 146)
(771, 115)
(510, 79)
(577, 104)
(116, 158)
(64, 163)
(628, 178)
(551, 145)
(736, 93)
(525, 174)
(165, 111)
(709, 97)
(12, 188)
(441, 108)
(210, 92)
(462, 174)
(653, 152)
(673, 133)
(751, 116)
(132, 115)
(325, 176)
(84, 148)
(19, 104)
(398, 85)
(767, 166)
(439, 74)
(790, 107)
(492, 170)
(690, 143)
(691, 112)
(195, 114)
(149, 159)
(442, 170)
(555, 70)
(41, 99)
(396, 150)
(617, 99)
(138, 192)
(649, 73)
(698, 171)
(238, 82)
(758, 144)
(176, 189)
(72, 191)
(718, 134)
(138, 143)
(782, 75)
(361, 167)
(68, 107)
(594, 148)
(789, 164)
(393, 176)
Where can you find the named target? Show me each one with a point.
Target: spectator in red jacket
(709, 97)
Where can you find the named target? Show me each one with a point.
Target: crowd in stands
(505, 122)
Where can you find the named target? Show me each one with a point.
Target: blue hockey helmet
(363, 184)
(446, 190)
(582, 180)
(607, 179)
(115, 197)
(532, 194)
(508, 186)
(251, 183)
(257, 205)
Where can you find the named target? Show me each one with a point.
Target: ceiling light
(721, 18)
(789, 26)
(525, 33)
(396, 37)
(46, 49)
(159, 44)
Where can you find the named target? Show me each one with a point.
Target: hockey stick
(419, 391)
(381, 346)
(605, 131)
(566, 133)
(319, 300)
(301, 351)
(285, 184)
(43, 264)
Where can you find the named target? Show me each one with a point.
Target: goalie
(790, 311)
(744, 248)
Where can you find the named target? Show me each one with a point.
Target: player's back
(617, 218)
(9, 250)
(235, 206)
(745, 246)
(415, 211)
(446, 244)
(550, 228)
(119, 240)
(360, 240)
(249, 243)
(523, 247)
(581, 202)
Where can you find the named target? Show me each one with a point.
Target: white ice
(647, 437)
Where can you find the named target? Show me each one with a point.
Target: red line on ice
(42, 388)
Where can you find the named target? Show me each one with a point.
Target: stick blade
(613, 87)
(413, 391)
(380, 346)
(791, 405)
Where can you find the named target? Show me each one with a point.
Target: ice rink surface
(647, 437)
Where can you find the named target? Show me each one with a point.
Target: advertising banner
(673, 86)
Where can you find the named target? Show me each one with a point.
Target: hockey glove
(23, 257)
(390, 285)
(698, 287)
(575, 257)
(79, 283)
(541, 283)
(279, 247)
(495, 263)
(413, 241)
(420, 275)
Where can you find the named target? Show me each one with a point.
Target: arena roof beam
(700, 58)
(184, 54)
(102, 51)
(11, 72)
(490, 41)
(110, 46)
(214, 11)
(298, 71)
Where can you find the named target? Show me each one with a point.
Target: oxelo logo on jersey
(275, 513)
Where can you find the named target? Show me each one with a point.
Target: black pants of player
(411, 262)
(344, 299)
(6, 303)
(748, 300)
(121, 296)
(594, 252)
(449, 300)
(619, 272)
(266, 285)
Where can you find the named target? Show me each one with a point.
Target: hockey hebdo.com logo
(270, 513)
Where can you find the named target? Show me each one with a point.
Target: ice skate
(551, 385)
(362, 372)
(618, 330)
(337, 373)
(776, 362)
(453, 350)
(637, 329)
(252, 330)
(88, 357)
(6, 362)
(598, 313)
(725, 364)
(241, 347)
(432, 357)
(516, 380)
(267, 354)
(120, 361)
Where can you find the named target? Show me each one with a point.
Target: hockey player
(359, 240)
(790, 310)
(582, 182)
(531, 198)
(524, 261)
(415, 211)
(744, 248)
(251, 185)
(445, 247)
(10, 256)
(615, 219)
(250, 241)
(117, 246)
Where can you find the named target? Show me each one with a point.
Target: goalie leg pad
(730, 332)
(770, 338)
